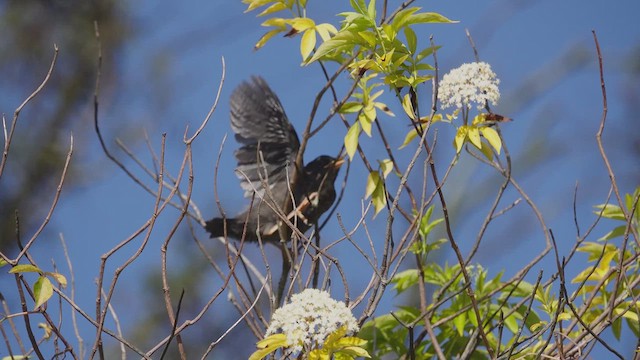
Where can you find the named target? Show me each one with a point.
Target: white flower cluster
(309, 318)
(470, 83)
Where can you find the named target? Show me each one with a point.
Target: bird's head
(323, 169)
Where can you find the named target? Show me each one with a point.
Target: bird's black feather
(269, 146)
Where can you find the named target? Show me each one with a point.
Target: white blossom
(309, 318)
(468, 84)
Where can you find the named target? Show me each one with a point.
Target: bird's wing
(269, 141)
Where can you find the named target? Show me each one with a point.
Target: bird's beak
(339, 161)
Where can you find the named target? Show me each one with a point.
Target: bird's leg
(297, 212)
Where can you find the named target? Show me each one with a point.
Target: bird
(266, 167)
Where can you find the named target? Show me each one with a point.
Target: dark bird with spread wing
(280, 193)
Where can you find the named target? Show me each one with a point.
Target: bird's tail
(215, 227)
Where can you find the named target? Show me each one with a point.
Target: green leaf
(307, 43)
(42, 291)
(565, 316)
(426, 226)
(379, 198)
(343, 40)
(16, 357)
(24, 268)
(301, 24)
(492, 137)
(409, 137)
(537, 325)
(351, 139)
(390, 32)
(48, 331)
(280, 23)
(610, 211)
(325, 31)
(371, 10)
(372, 183)
(474, 136)
(268, 35)
(386, 166)
(370, 112)
(400, 20)
(351, 352)
(459, 322)
(461, 136)
(326, 47)
(365, 121)
(412, 40)
(319, 354)
(369, 37)
(616, 232)
(616, 328)
(428, 17)
(408, 107)
(254, 4)
(279, 6)
(350, 107)
(61, 279)
(486, 150)
(268, 345)
(384, 108)
(426, 52)
(405, 279)
(511, 322)
(351, 341)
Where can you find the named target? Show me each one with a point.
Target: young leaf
(459, 322)
(461, 136)
(405, 279)
(400, 20)
(268, 345)
(369, 37)
(611, 211)
(61, 279)
(307, 43)
(410, 136)
(351, 139)
(492, 137)
(273, 8)
(325, 31)
(384, 108)
(412, 39)
(24, 268)
(386, 166)
(254, 4)
(366, 121)
(379, 197)
(428, 17)
(47, 330)
(350, 107)
(408, 107)
(371, 10)
(372, 183)
(268, 35)
(42, 290)
(616, 232)
(474, 136)
(302, 24)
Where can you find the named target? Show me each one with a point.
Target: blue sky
(170, 73)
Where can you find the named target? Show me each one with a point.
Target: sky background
(167, 78)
